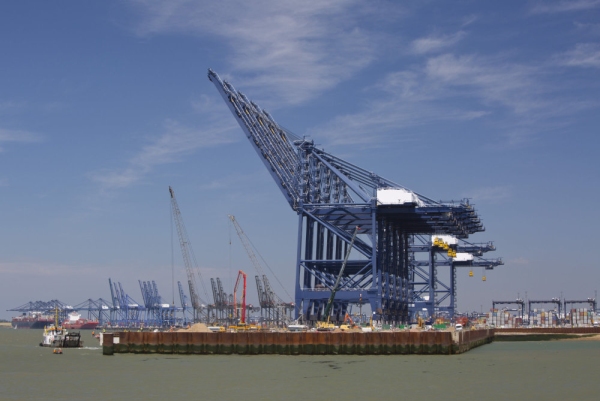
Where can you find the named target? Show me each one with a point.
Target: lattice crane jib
(268, 139)
(273, 308)
(188, 258)
(332, 196)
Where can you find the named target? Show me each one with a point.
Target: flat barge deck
(301, 343)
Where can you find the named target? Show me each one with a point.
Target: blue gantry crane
(158, 312)
(47, 308)
(98, 310)
(125, 312)
(431, 289)
(331, 197)
(185, 306)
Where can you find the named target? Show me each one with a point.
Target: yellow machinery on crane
(350, 326)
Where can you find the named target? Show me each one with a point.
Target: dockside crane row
(200, 313)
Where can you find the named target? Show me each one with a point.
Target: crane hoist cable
(249, 249)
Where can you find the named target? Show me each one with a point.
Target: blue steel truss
(125, 312)
(331, 197)
(185, 306)
(96, 310)
(158, 313)
(47, 308)
(433, 290)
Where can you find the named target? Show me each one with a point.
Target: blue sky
(103, 105)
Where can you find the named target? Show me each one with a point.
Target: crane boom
(246, 245)
(270, 297)
(187, 256)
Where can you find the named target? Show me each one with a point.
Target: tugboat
(58, 337)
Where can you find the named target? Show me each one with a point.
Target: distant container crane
(221, 312)
(158, 313)
(125, 312)
(555, 301)
(520, 308)
(184, 304)
(98, 310)
(428, 290)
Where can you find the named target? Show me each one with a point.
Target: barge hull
(311, 343)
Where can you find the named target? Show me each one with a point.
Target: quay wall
(466, 340)
(288, 343)
(550, 330)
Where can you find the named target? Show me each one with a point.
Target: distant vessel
(33, 320)
(61, 338)
(76, 322)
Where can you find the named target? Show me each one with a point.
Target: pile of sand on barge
(196, 328)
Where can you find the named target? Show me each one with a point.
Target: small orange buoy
(58, 350)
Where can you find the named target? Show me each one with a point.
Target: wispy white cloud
(518, 100)
(520, 261)
(593, 29)
(489, 194)
(469, 19)
(444, 88)
(17, 136)
(494, 80)
(176, 141)
(292, 49)
(10, 105)
(564, 6)
(583, 55)
(436, 43)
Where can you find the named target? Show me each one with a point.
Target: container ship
(76, 322)
(33, 320)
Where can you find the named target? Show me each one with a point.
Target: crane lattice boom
(187, 253)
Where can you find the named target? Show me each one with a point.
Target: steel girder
(431, 290)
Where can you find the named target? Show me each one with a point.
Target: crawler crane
(326, 325)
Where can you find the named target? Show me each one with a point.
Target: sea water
(544, 371)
